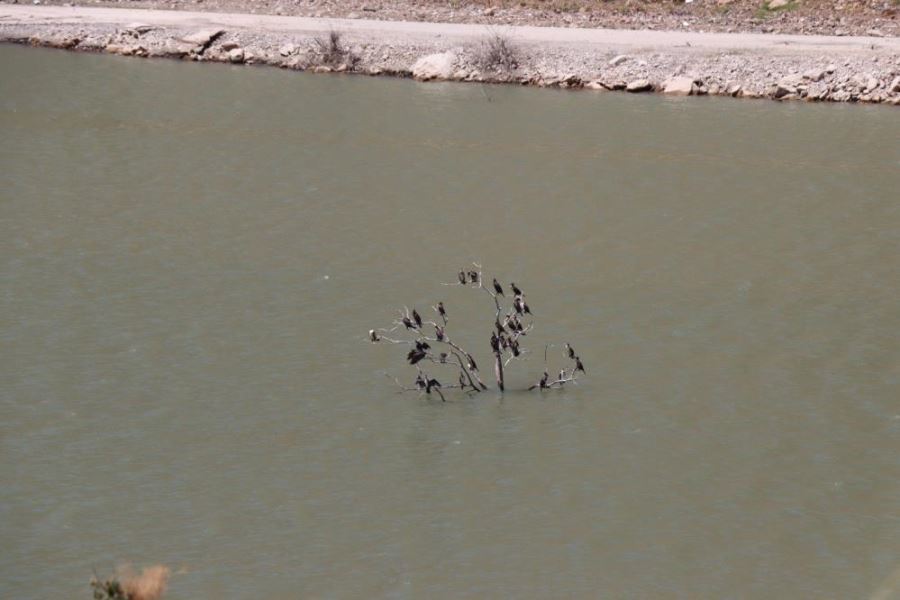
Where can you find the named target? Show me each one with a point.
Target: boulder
(733, 88)
(204, 37)
(615, 62)
(814, 74)
(639, 85)
(594, 85)
(138, 28)
(895, 85)
(236, 55)
(229, 46)
(679, 86)
(434, 66)
(174, 49)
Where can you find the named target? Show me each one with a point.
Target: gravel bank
(784, 68)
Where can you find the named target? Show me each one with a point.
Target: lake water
(191, 256)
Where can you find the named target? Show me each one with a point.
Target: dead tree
(430, 341)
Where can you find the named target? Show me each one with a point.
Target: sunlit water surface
(190, 258)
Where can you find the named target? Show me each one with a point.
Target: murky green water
(190, 257)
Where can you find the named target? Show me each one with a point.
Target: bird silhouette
(515, 289)
(417, 318)
(415, 355)
(497, 287)
(570, 350)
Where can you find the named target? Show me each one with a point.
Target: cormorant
(439, 333)
(408, 323)
(515, 289)
(562, 375)
(417, 318)
(542, 383)
(495, 343)
(462, 277)
(497, 287)
(578, 366)
(525, 308)
(420, 383)
(441, 311)
(422, 346)
(517, 304)
(415, 355)
(473, 275)
(570, 350)
(432, 384)
(373, 335)
(443, 358)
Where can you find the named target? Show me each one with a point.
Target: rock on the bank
(814, 74)
(204, 37)
(236, 55)
(679, 86)
(618, 60)
(639, 85)
(434, 66)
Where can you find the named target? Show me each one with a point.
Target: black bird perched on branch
(462, 277)
(439, 333)
(515, 289)
(497, 287)
(441, 311)
(495, 343)
(408, 323)
(525, 308)
(579, 366)
(415, 355)
(433, 384)
(517, 304)
(473, 276)
(422, 345)
(443, 358)
(420, 383)
(542, 383)
(373, 335)
(570, 350)
(417, 318)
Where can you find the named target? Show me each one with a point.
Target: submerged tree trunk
(498, 370)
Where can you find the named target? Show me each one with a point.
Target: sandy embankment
(784, 67)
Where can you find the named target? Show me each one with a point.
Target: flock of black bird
(505, 337)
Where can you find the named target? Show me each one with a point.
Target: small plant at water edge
(332, 52)
(497, 53)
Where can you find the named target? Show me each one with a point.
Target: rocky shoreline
(871, 76)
